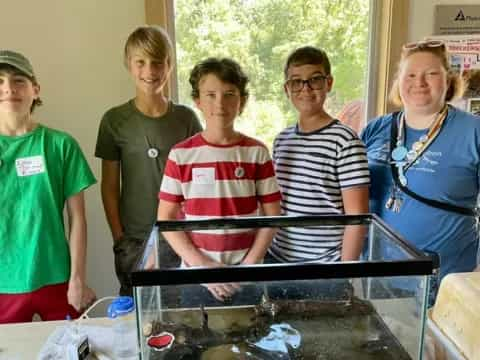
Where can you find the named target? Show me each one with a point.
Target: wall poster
(464, 53)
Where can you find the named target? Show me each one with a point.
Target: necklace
(404, 157)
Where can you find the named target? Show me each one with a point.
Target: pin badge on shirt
(152, 153)
(239, 172)
(399, 153)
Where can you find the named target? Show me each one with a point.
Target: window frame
(389, 33)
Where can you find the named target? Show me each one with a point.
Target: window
(260, 33)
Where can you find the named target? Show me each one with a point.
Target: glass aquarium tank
(373, 308)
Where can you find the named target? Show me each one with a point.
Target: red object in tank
(161, 341)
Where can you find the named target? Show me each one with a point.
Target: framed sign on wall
(457, 19)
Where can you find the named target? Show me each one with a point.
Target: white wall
(76, 50)
(422, 12)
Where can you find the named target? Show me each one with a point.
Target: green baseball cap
(18, 61)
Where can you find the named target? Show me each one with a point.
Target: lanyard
(405, 158)
(394, 201)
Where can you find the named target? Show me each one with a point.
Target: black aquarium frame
(420, 264)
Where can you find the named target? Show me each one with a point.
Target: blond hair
(153, 41)
(455, 82)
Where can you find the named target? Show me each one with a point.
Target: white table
(23, 341)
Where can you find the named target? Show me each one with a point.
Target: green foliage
(260, 34)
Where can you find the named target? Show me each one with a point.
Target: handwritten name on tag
(29, 166)
(203, 176)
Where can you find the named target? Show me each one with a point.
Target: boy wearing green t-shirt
(134, 140)
(41, 171)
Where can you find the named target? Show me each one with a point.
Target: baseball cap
(18, 61)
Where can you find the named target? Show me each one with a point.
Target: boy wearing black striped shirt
(321, 167)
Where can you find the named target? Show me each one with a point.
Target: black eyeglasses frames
(316, 82)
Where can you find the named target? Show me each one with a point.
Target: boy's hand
(79, 295)
(220, 291)
(117, 236)
(223, 291)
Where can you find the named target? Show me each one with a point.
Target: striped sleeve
(352, 165)
(266, 182)
(171, 188)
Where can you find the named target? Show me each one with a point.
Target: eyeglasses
(423, 44)
(316, 82)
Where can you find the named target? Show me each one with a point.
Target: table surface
(23, 341)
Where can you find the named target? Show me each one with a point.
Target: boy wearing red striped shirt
(219, 173)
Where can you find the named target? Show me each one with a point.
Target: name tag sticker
(30, 166)
(203, 176)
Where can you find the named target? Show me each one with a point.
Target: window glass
(259, 34)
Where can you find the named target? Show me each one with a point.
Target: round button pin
(239, 172)
(152, 153)
(399, 153)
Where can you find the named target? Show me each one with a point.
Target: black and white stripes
(312, 170)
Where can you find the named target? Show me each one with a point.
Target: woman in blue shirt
(435, 151)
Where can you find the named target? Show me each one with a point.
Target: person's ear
(243, 102)
(449, 80)
(169, 68)
(196, 100)
(285, 88)
(127, 63)
(329, 83)
(36, 91)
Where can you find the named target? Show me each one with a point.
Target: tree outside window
(260, 34)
